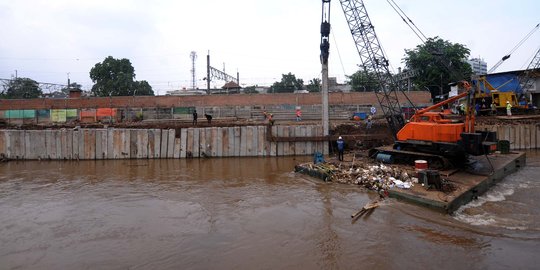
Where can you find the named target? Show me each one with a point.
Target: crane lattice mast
(374, 61)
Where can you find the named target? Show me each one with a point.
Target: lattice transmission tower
(193, 79)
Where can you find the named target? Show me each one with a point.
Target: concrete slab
(164, 141)
(183, 143)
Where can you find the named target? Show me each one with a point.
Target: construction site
(392, 140)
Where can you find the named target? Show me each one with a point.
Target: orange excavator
(438, 136)
(441, 137)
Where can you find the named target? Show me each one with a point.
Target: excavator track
(408, 157)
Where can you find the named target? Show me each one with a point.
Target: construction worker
(340, 147)
(493, 108)
(298, 115)
(271, 119)
(194, 117)
(508, 108)
(369, 122)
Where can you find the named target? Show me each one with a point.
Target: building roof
(231, 85)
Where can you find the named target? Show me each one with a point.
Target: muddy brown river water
(248, 213)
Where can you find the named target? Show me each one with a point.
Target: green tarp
(183, 110)
(18, 114)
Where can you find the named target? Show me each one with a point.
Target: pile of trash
(376, 177)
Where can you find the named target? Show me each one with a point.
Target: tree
(116, 77)
(362, 81)
(288, 84)
(251, 90)
(438, 62)
(142, 88)
(21, 88)
(314, 85)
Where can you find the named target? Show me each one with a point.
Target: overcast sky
(261, 39)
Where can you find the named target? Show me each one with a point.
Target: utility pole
(325, 51)
(208, 73)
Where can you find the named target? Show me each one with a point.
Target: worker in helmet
(508, 108)
(340, 147)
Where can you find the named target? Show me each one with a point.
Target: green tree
(288, 84)
(251, 90)
(314, 85)
(438, 62)
(116, 77)
(142, 88)
(21, 88)
(362, 81)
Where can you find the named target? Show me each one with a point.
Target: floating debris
(378, 177)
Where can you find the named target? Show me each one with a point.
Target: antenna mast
(193, 80)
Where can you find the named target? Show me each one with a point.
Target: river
(248, 213)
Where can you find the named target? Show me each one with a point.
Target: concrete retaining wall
(521, 137)
(245, 141)
(68, 144)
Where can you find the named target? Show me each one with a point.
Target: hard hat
(507, 101)
(339, 138)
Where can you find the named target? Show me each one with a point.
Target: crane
(374, 61)
(504, 58)
(525, 80)
(429, 135)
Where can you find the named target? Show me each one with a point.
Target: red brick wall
(364, 98)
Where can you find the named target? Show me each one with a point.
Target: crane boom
(526, 81)
(374, 61)
(504, 58)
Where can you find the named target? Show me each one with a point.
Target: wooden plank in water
(365, 209)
